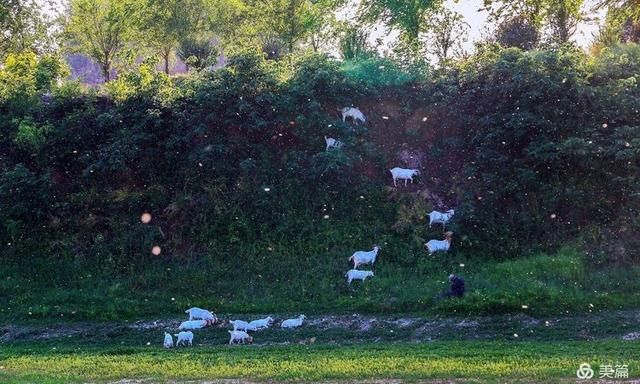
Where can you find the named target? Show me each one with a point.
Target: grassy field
(488, 361)
(563, 310)
(546, 284)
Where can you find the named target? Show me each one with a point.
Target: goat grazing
(194, 324)
(261, 323)
(363, 257)
(332, 143)
(240, 337)
(439, 245)
(196, 313)
(168, 340)
(402, 173)
(440, 217)
(354, 274)
(293, 323)
(353, 113)
(184, 338)
(240, 325)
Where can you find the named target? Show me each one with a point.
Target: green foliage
(25, 201)
(409, 17)
(102, 29)
(291, 21)
(518, 33)
(533, 149)
(374, 72)
(23, 27)
(537, 137)
(49, 70)
(18, 80)
(30, 136)
(197, 52)
(354, 44)
(145, 83)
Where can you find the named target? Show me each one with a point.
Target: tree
(101, 29)
(195, 51)
(164, 22)
(517, 32)
(291, 21)
(620, 26)
(354, 43)
(560, 17)
(23, 27)
(407, 16)
(563, 18)
(628, 8)
(447, 33)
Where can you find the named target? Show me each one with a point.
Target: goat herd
(396, 173)
(201, 318)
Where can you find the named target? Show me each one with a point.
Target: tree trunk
(166, 53)
(106, 68)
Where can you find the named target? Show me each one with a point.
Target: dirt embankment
(330, 329)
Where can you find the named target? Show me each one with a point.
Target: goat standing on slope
(241, 325)
(196, 313)
(353, 113)
(293, 323)
(439, 245)
(240, 337)
(362, 257)
(440, 217)
(402, 173)
(354, 274)
(194, 324)
(332, 143)
(184, 338)
(168, 340)
(261, 323)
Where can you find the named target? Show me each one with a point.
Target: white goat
(439, 245)
(168, 340)
(240, 325)
(332, 143)
(184, 338)
(293, 323)
(363, 257)
(261, 323)
(354, 274)
(196, 313)
(239, 336)
(402, 173)
(194, 324)
(439, 217)
(353, 113)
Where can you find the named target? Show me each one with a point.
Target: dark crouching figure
(457, 286)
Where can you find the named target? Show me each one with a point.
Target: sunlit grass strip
(408, 361)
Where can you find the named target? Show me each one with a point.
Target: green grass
(546, 284)
(490, 361)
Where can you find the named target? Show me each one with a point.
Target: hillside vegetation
(537, 151)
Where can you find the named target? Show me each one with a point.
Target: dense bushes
(548, 145)
(532, 148)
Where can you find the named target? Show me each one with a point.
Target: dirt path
(354, 328)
